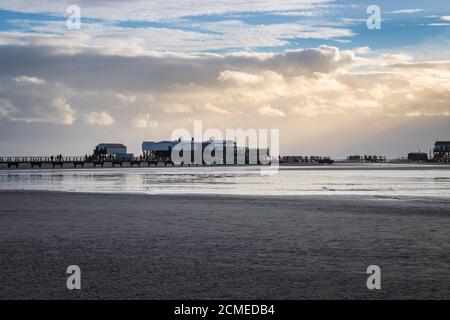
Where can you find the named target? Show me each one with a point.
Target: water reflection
(385, 181)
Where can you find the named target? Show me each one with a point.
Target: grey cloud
(30, 102)
(89, 70)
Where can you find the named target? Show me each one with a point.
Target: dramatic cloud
(106, 89)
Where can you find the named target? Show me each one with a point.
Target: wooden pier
(74, 162)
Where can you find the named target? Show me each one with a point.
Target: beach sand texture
(222, 247)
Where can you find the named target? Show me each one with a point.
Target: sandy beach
(222, 247)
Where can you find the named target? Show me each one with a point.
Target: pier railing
(29, 159)
(60, 161)
(89, 161)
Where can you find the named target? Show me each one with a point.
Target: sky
(138, 70)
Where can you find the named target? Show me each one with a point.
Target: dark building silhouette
(441, 151)
(417, 156)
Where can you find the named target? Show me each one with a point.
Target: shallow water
(374, 180)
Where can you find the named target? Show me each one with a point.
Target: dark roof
(446, 143)
(218, 142)
(158, 146)
(111, 145)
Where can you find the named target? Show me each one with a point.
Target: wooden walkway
(74, 162)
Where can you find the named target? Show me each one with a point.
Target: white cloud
(141, 10)
(213, 108)
(239, 77)
(405, 11)
(271, 112)
(144, 121)
(362, 50)
(439, 24)
(65, 111)
(126, 98)
(179, 35)
(99, 118)
(303, 13)
(240, 34)
(176, 108)
(352, 21)
(27, 79)
(58, 112)
(113, 39)
(393, 58)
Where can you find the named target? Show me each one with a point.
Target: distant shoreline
(335, 166)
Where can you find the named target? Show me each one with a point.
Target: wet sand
(222, 247)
